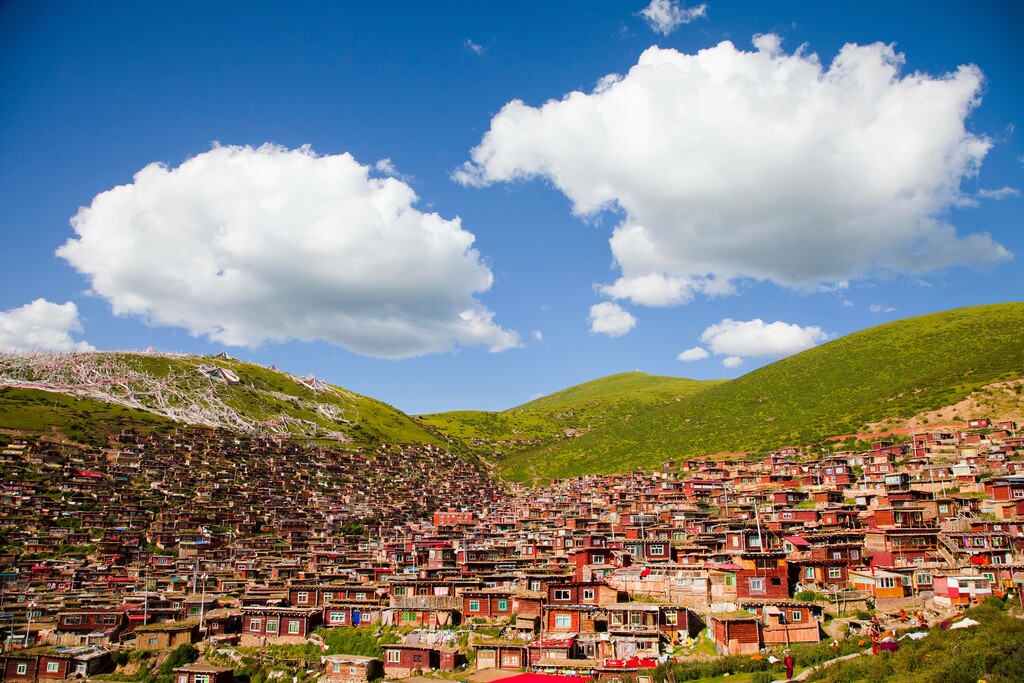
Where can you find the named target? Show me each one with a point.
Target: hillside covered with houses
(239, 543)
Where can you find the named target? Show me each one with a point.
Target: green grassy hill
(896, 370)
(87, 397)
(599, 403)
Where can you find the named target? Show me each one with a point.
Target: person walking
(788, 663)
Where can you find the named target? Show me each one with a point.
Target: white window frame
(22, 669)
(796, 615)
(562, 595)
(474, 605)
(563, 620)
(272, 625)
(757, 584)
(336, 618)
(588, 593)
(302, 597)
(52, 667)
(294, 627)
(394, 656)
(255, 625)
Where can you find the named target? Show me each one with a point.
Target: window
(409, 617)
(588, 593)
(22, 669)
(294, 626)
(474, 605)
(336, 618)
(255, 625)
(854, 554)
(201, 678)
(597, 559)
(808, 572)
(796, 615)
(563, 621)
(399, 591)
(183, 678)
(835, 572)
(328, 597)
(153, 641)
(671, 618)
(302, 597)
(615, 618)
(756, 584)
(394, 656)
(886, 582)
(657, 549)
(510, 658)
(52, 667)
(336, 667)
(193, 611)
(562, 595)
(502, 605)
(271, 625)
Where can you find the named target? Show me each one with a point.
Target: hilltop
(909, 374)
(90, 396)
(568, 412)
(878, 378)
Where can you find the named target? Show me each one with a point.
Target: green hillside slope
(88, 396)
(894, 370)
(609, 400)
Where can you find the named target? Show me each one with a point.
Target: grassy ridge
(894, 370)
(265, 397)
(613, 399)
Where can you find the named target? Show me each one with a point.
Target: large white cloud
(729, 164)
(43, 326)
(610, 319)
(247, 245)
(757, 338)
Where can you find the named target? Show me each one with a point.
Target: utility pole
(28, 627)
(145, 597)
(202, 605)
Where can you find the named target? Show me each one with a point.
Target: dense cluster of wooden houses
(203, 535)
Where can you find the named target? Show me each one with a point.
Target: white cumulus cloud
(729, 164)
(610, 319)
(732, 362)
(757, 338)
(696, 353)
(42, 326)
(665, 16)
(248, 245)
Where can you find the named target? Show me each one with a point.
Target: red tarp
(545, 678)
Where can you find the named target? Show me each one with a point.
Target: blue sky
(455, 206)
